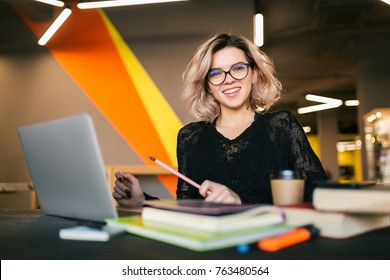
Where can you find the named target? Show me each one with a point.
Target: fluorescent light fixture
(258, 29)
(351, 103)
(315, 108)
(322, 99)
(348, 146)
(52, 2)
(306, 129)
(328, 103)
(386, 1)
(117, 3)
(54, 27)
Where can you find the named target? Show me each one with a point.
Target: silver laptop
(67, 169)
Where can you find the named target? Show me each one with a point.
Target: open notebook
(67, 169)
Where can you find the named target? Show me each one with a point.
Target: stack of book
(204, 226)
(343, 210)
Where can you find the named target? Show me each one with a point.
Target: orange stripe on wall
(86, 51)
(170, 183)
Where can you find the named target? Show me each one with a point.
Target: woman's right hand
(127, 190)
(214, 192)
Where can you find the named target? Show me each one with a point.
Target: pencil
(188, 180)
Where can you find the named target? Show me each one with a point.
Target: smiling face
(232, 94)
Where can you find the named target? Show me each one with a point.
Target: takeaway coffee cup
(287, 186)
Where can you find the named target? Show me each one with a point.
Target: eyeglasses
(238, 71)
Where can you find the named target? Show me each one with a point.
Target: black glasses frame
(228, 72)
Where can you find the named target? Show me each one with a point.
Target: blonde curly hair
(201, 104)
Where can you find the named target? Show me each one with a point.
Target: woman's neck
(232, 124)
(232, 119)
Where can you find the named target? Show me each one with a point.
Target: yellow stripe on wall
(164, 119)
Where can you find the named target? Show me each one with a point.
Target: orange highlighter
(290, 238)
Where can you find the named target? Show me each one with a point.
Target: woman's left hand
(214, 192)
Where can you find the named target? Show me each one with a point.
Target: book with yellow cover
(194, 239)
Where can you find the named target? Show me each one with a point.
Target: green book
(194, 239)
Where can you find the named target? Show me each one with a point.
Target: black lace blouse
(274, 141)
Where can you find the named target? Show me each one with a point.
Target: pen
(295, 236)
(188, 180)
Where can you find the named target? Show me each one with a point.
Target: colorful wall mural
(93, 53)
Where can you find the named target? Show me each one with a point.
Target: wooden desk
(30, 234)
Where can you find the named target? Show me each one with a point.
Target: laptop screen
(67, 169)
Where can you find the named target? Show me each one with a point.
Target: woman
(232, 149)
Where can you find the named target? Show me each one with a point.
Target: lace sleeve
(186, 139)
(300, 153)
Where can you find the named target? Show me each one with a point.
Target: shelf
(139, 169)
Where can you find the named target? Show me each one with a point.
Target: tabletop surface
(32, 235)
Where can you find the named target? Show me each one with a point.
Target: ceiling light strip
(321, 99)
(117, 3)
(350, 103)
(52, 2)
(258, 26)
(54, 27)
(315, 108)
